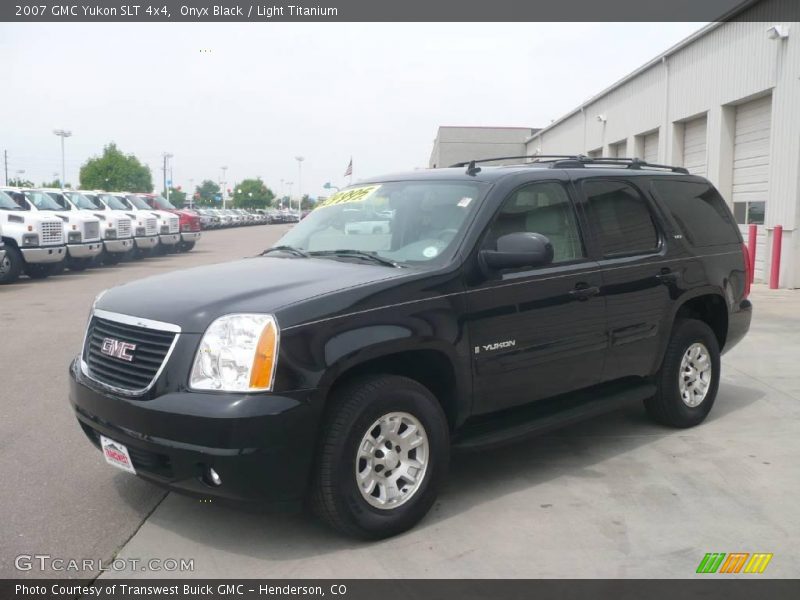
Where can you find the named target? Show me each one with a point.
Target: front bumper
(121, 245)
(170, 239)
(150, 241)
(85, 250)
(44, 254)
(190, 236)
(261, 445)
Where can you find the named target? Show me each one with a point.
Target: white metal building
(725, 103)
(459, 143)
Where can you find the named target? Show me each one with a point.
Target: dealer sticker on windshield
(116, 454)
(357, 194)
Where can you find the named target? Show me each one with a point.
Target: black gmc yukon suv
(411, 314)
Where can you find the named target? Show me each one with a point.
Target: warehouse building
(456, 144)
(724, 103)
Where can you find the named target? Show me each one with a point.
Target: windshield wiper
(287, 249)
(371, 256)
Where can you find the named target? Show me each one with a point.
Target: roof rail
(571, 161)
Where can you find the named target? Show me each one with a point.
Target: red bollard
(752, 236)
(775, 270)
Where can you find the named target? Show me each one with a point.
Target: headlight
(111, 233)
(140, 231)
(74, 237)
(238, 353)
(30, 239)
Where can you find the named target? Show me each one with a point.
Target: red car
(189, 220)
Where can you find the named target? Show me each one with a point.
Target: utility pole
(5, 157)
(222, 184)
(62, 133)
(299, 160)
(166, 156)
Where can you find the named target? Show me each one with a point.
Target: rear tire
(376, 425)
(689, 376)
(187, 246)
(11, 265)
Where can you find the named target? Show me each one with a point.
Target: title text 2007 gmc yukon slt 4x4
(342, 365)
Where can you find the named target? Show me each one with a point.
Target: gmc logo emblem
(118, 349)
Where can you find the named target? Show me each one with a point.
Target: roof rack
(570, 161)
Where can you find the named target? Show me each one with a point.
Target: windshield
(80, 200)
(42, 201)
(403, 221)
(113, 202)
(162, 203)
(138, 202)
(7, 203)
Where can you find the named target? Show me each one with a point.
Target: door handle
(584, 291)
(666, 276)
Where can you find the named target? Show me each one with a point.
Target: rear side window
(699, 211)
(621, 218)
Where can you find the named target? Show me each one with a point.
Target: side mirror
(517, 250)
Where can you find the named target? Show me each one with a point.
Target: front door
(536, 332)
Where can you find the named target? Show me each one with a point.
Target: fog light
(211, 477)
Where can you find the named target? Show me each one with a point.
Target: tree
(205, 193)
(307, 203)
(19, 182)
(177, 197)
(56, 183)
(116, 171)
(252, 193)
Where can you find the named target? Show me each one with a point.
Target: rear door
(536, 332)
(636, 273)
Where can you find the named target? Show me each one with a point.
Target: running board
(546, 415)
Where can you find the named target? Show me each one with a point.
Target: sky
(253, 96)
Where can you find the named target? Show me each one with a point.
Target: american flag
(349, 170)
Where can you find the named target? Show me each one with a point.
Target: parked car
(82, 230)
(33, 241)
(504, 302)
(117, 227)
(188, 221)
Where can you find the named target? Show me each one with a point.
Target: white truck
(168, 229)
(146, 227)
(33, 241)
(115, 225)
(82, 230)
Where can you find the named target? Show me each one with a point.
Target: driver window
(542, 208)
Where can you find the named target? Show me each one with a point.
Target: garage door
(651, 147)
(751, 168)
(694, 146)
(618, 150)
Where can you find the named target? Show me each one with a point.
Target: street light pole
(62, 133)
(166, 156)
(290, 183)
(222, 185)
(299, 160)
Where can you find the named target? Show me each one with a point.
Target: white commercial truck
(82, 229)
(167, 231)
(116, 226)
(33, 241)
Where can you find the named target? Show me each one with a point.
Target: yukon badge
(495, 346)
(118, 349)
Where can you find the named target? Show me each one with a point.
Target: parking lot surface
(614, 497)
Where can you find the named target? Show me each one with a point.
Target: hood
(193, 298)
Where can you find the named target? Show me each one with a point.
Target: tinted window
(699, 211)
(621, 218)
(540, 208)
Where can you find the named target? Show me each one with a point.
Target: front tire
(39, 271)
(11, 265)
(383, 458)
(689, 377)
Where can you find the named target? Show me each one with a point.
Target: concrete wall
(710, 74)
(458, 144)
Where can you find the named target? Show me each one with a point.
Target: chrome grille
(91, 230)
(152, 348)
(124, 228)
(174, 224)
(52, 232)
(151, 226)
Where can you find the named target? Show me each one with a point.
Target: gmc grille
(151, 226)
(174, 224)
(152, 347)
(124, 228)
(52, 232)
(91, 231)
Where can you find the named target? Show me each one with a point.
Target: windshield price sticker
(358, 194)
